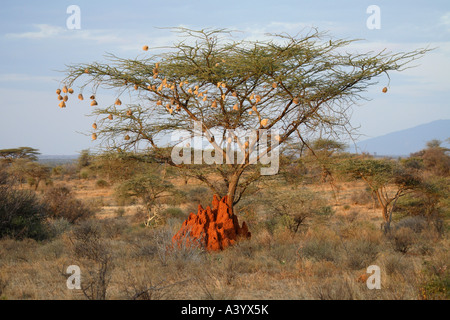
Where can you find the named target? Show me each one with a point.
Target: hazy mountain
(404, 142)
(54, 160)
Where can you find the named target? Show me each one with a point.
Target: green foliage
(360, 253)
(149, 188)
(437, 278)
(320, 249)
(427, 199)
(437, 287)
(85, 159)
(33, 172)
(377, 172)
(173, 212)
(434, 158)
(327, 147)
(300, 84)
(200, 195)
(10, 155)
(102, 183)
(22, 215)
(121, 166)
(290, 208)
(84, 173)
(325, 211)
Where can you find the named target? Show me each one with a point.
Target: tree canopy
(17, 153)
(298, 84)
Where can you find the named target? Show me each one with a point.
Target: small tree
(61, 203)
(380, 175)
(33, 171)
(150, 188)
(296, 84)
(9, 155)
(292, 208)
(84, 160)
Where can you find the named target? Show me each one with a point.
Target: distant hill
(57, 159)
(404, 142)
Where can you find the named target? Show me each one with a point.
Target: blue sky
(36, 45)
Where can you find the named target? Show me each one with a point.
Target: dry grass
(322, 261)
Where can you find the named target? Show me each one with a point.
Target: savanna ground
(320, 253)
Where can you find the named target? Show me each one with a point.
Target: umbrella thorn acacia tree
(295, 84)
(387, 179)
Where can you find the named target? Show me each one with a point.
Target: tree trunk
(232, 187)
(37, 184)
(385, 213)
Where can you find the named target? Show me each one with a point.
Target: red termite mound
(213, 228)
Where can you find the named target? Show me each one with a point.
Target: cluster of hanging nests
(253, 99)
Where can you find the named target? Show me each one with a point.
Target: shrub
(22, 215)
(120, 212)
(393, 264)
(415, 223)
(102, 183)
(362, 197)
(320, 249)
(4, 176)
(436, 284)
(62, 204)
(173, 212)
(360, 253)
(325, 211)
(290, 209)
(59, 226)
(94, 252)
(84, 174)
(200, 195)
(402, 239)
(335, 289)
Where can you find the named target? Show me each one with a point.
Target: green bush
(84, 174)
(22, 215)
(200, 195)
(325, 211)
(360, 253)
(320, 249)
(174, 212)
(102, 183)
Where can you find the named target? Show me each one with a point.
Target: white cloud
(445, 20)
(126, 40)
(22, 77)
(44, 31)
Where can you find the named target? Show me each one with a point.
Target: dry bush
(199, 195)
(402, 239)
(212, 286)
(4, 281)
(180, 255)
(395, 264)
(363, 197)
(94, 253)
(351, 217)
(321, 243)
(320, 249)
(414, 223)
(142, 285)
(360, 253)
(339, 288)
(62, 204)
